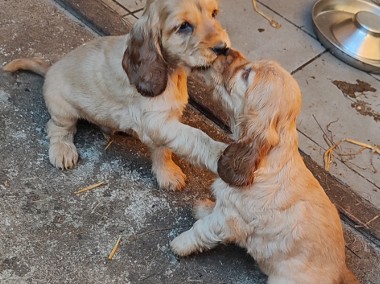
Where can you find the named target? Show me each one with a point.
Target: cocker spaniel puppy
(267, 201)
(137, 82)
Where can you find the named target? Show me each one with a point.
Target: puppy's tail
(36, 65)
(349, 278)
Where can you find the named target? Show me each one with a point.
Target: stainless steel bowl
(350, 29)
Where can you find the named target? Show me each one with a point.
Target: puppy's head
(169, 34)
(228, 90)
(264, 101)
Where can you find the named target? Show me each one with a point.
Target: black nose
(220, 49)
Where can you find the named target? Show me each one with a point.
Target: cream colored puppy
(267, 201)
(137, 82)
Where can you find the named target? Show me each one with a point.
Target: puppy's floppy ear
(143, 61)
(261, 122)
(237, 164)
(239, 161)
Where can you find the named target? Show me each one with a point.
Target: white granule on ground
(143, 204)
(4, 97)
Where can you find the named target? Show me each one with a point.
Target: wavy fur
(136, 82)
(267, 201)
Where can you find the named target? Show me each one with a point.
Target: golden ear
(143, 62)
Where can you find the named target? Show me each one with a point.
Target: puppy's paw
(63, 155)
(183, 245)
(171, 177)
(202, 208)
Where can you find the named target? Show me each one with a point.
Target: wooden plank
(96, 15)
(360, 213)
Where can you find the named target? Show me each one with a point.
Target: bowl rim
(326, 37)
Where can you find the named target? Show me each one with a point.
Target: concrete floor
(50, 235)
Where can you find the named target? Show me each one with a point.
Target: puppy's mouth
(228, 61)
(210, 64)
(201, 67)
(206, 64)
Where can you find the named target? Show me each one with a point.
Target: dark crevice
(308, 62)
(80, 16)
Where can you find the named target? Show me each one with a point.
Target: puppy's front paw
(183, 245)
(171, 177)
(214, 155)
(63, 155)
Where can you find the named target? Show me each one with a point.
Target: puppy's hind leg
(205, 234)
(62, 151)
(168, 174)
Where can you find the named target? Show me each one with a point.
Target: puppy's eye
(214, 13)
(245, 74)
(185, 28)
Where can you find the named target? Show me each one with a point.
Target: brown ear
(237, 164)
(239, 161)
(144, 64)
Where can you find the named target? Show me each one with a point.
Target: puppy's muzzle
(220, 49)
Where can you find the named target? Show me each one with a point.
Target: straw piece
(272, 22)
(108, 144)
(110, 256)
(373, 219)
(329, 155)
(90, 187)
(374, 148)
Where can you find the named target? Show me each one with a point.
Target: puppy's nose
(220, 49)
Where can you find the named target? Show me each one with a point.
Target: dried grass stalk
(108, 144)
(90, 187)
(112, 253)
(329, 154)
(272, 22)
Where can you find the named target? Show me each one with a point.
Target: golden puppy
(137, 82)
(267, 201)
